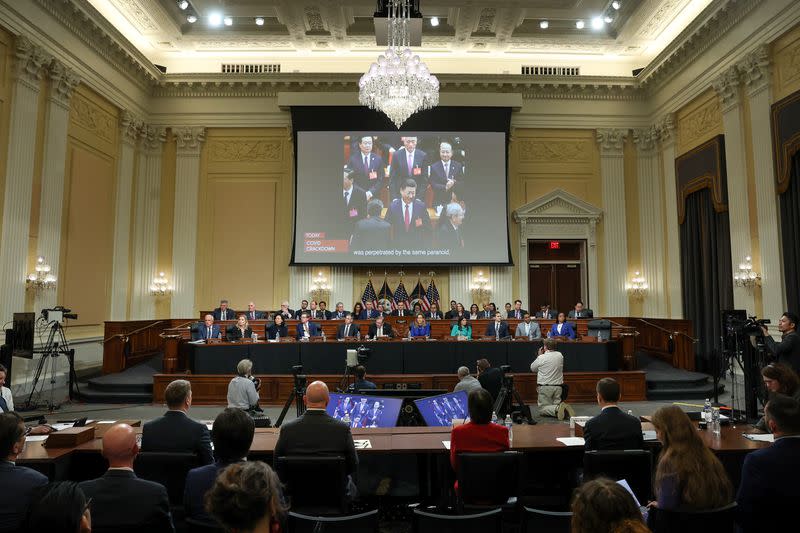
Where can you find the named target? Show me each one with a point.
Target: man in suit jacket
(18, 482)
(612, 429)
(528, 328)
(769, 490)
(317, 434)
(353, 205)
(518, 312)
(546, 313)
(580, 312)
(206, 330)
(446, 176)
(409, 218)
(232, 435)
(339, 313)
(401, 310)
(407, 163)
(453, 312)
(119, 498)
(368, 168)
(306, 328)
(379, 329)
(324, 314)
(303, 309)
(253, 314)
(487, 313)
(175, 431)
(369, 312)
(449, 232)
(372, 232)
(497, 328)
(434, 313)
(314, 313)
(223, 312)
(348, 329)
(287, 313)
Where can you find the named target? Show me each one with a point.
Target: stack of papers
(760, 437)
(571, 441)
(362, 444)
(649, 434)
(35, 438)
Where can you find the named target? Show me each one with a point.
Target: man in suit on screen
(407, 162)
(409, 219)
(371, 233)
(354, 204)
(368, 169)
(450, 233)
(446, 176)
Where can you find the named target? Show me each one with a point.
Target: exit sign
(555, 245)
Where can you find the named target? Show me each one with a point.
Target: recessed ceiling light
(544, 24)
(259, 21)
(229, 21)
(615, 4)
(580, 24)
(214, 19)
(608, 19)
(191, 19)
(183, 4)
(434, 21)
(597, 23)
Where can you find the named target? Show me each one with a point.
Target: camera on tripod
(300, 379)
(59, 314)
(750, 326)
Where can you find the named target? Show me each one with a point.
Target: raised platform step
(94, 396)
(665, 382)
(132, 385)
(689, 393)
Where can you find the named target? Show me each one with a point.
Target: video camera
(750, 326)
(300, 379)
(59, 314)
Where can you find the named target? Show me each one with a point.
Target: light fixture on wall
(745, 276)
(160, 285)
(481, 289)
(638, 286)
(41, 278)
(320, 289)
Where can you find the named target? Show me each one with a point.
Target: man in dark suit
(449, 232)
(409, 218)
(368, 168)
(306, 328)
(769, 490)
(788, 350)
(446, 176)
(232, 435)
(324, 314)
(407, 163)
(314, 313)
(580, 312)
(119, 498)
(612, 429)
(18, 482)
(434, 313)
(353, 207)
(253, 314)
(546, 313)
(303, 309)
(497, 328)
(518, 312)
(287, 313)
(487, 312)
(348, 329)
(206, 330)
(401, 310)
(223, 312)
(339, 313)
(175, 431)
(369, 312)
(316, 433)
(379, 329)
(490, 378)
(372, 233)
(453, 312)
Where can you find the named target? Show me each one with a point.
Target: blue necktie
(3, 405)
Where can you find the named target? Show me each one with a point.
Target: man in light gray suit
(528, 328)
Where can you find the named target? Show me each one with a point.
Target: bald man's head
(119, 445)
(317, 396)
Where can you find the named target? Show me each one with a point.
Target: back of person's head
(360, 372)
(232, 435)
(484, 364)
(480, 405)
(57, 508)
(602, 505)
(12, 428)
(783, 412)
(608, 389)
(463, 372)
(550, 344)
(374, 208)
(244, 368)
(176, 393)
(785, 376)
(245, 495)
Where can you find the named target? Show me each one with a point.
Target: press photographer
(787, 351)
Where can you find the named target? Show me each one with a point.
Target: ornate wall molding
(646, 138)
(665, 128)
(189, 139)
(611, 141)
(29, 62)
(755, 70)
(92, 118)
(554, 151)
(699, 123)
(130, 126)
(726, 86)
(152, 138)
(63, 82)
(247, 150)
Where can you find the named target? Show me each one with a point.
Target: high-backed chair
(167, 468)
(599, 328)
(720, 520)
(488, 479)
(326, 495)
(634, 466)
(486, 522)
(359, 523)
(541, 521)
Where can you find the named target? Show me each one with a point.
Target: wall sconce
(319, 287)
(637, 286)
(160, 286)
(746, 276)
(481, 290)
(41, 278)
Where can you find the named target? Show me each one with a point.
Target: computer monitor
(365, 411)
(442, 409)
(24, 324)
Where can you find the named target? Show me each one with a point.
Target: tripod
(505, 405)
(344, 383)
(297, 395)
(56, 345)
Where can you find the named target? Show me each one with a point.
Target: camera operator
(243, 389)
(788, 350)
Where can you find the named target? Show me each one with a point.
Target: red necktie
(407, 218)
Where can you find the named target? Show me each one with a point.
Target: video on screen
(362, 411)
(442, 409)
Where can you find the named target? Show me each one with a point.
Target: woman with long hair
(778, 379)
(420, 327)
(357, 309)
(278, 329)
(462, 330)
(562, 328)
(240, 330)
(473, 312)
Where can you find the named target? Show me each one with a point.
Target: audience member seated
(689, 477)
(379, 329)
(462, 330)
(303, 309)
(474, 313)
(612, 429)
(206, 330)
(580, 311)
(175, 431)
(21, 479)
(223, 312)
(778, 379)
(278, 329)
(451, 314)
(232, 435)
(243, 389)
(319, 434)
(434, 313)
(420, 328)
(59, 507)
(324, 314)
(119, 498)
(604, 506)
(361, 383)
(246, 498)
(490, 378)
(401, 310)
(487, 313)
(306, 328)
(479, 434)
(460, 311)
(369, 312)
(240, 330)
(545, 312)
(769, 490)
(339, 312)
(517, 312)
(253, 314)
(348, 329)
(358, 308)
(285, 312)
(562, 328)
(549, 369)
(466, 381)
(528, 328)
(7, 405)
(497, 328)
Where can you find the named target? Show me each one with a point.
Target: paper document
(446, 444)
(649, 434)
(35, 438)
(571, 441)
(199, 341)
(362, 444)
(760, 437)
(624, 483)
(63, 425)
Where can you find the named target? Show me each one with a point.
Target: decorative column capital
(645, 138)
(63, 82)
(611, 140)
(130, 126)
(189, 139)
(29, 60)
(755, 70)
(152, 137)
(727, 87)
(665, 128)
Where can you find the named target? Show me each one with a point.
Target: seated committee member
(314, 313)
(490, 378)
(479, 434)
(324, 314)
(580, 311)
(379, 329)
(517, 312)
(407, 163)
(285, 312)
(487, 313)
(223, 312)
(305, 328)
(23, 480)
(528, 328)
(246, 497)
(409, 218)
(612, 429)
(562, 328)
(420, 327)
(253, 314)
(462, 330)
(446, 176)
(401, 310)
(6, 398)
(466, 381)
(278, 329)
(206, 330)
(316, 433)
(58, 507)
(119, 498)
(240, 330)
(546, 313)
(368, 169)
(434, 313)
(369, 313)
(449, 232)
(348, 329)
(303, 309)
(451, 314)
(768, 491)
(372, 232)
(339, 312)
(689, 477)
(361, 383)
(175, 431)
(549, 369)
(788, 350)
(243, 389)
(604, 506)
(358, 308)
(354, 204)
(778, 379)
(232, 435)
(497, 328)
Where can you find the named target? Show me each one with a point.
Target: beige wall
(786, 64)
(166, 219)
(6, 41)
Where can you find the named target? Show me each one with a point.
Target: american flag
(400, 294)
(432, 296)
(418, 294)
(369, 294)
(386, 293)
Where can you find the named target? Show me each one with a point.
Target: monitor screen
(441, 410)
(23, 334)
(365, 411)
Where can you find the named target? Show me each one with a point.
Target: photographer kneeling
(243, 389)
(788, 350)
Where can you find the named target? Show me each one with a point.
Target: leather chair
(326, 495)
(488, 479)
(167, 468)
(486, 522)
(541, 521)
(721, 520)
(634, 466)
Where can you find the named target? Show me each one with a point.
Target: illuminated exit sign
(555, 245)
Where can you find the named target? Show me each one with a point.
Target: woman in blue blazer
(562, 328)
(420, 328)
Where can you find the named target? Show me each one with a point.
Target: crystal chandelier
(746, 276)
(399, 84)
(160, 285)
(41, 278)
(638, 286)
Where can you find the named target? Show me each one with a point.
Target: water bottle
(707, 412)
(494, 417)
(277, 336)
(510, 425)
(715, 421)
(324, 338)
(255, 336)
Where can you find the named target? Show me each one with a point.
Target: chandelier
(160, 285)
(399, 84)
(481, 289)
(638, 286)
(746, 276)
(41, 278)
